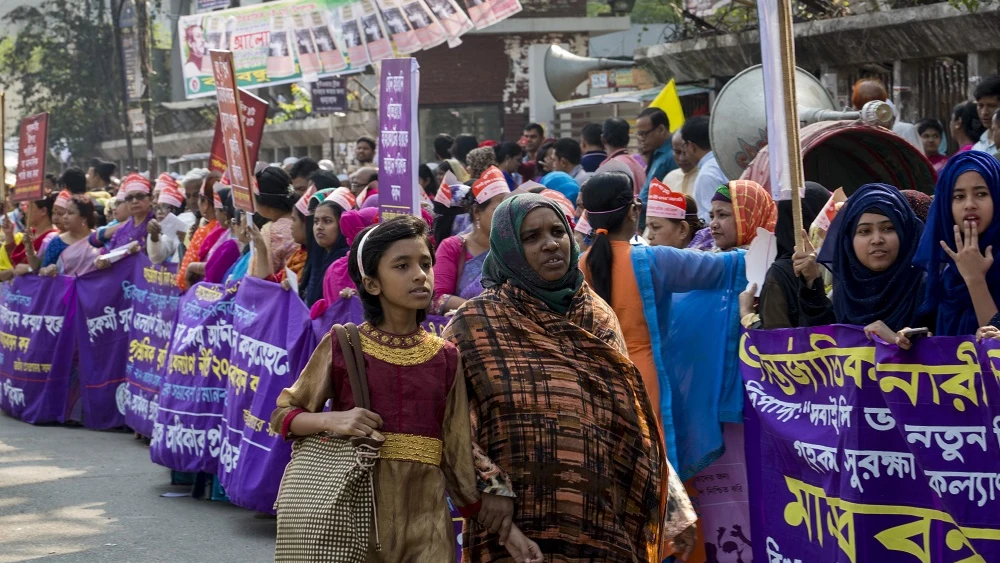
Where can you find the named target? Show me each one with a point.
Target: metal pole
(126, 128)
(142, 14)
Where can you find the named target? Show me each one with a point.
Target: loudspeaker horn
(564, 71)
(738, 128)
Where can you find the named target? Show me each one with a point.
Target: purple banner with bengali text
(103, 330)
(271, 345)
(862, 452)
(35, 351)
(154, 296)
(187, 434)
(398, 139)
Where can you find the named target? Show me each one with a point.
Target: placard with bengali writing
(329, 95)
(254, 115)
(31, 152)
(398, 139)
(861, 452)
(239, 167)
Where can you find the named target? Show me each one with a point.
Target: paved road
(75, 495)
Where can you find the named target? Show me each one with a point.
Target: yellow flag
(670, 103)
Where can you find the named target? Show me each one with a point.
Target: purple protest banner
(398, 140)
(103, 331)
(36, 354)
(154, 296)
(864, 452)
(266, 357)
(187, 434)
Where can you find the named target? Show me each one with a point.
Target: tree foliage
(61, 60)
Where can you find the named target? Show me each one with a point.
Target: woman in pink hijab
(337, 279)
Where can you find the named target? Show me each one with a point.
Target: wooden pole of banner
(3, 151)
(786, 40)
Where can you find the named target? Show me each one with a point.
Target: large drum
(850, 154)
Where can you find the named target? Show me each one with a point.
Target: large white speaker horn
(564, 71)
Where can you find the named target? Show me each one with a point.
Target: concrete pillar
(980, 66)
(905, 92)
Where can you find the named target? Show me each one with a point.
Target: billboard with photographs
(304, 40)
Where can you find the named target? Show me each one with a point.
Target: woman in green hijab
(555, 402)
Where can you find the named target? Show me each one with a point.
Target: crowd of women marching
(562, 410)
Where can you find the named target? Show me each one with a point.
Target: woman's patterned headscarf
(506, 260)
(752, 208)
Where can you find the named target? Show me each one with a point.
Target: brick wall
(487, 69)
(475, 72)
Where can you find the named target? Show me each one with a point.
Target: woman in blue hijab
(870, 250)
(963, 282)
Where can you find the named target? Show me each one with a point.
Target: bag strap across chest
(350, 346)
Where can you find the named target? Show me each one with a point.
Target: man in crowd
(531, 140)
(364, 152)
(565, 157)
(533, 136)
(593, 149)
(698, 151)
(987, 96)
(615, 135)
(364, 184)
(681, 179)
(442, 146)
(301, 171)
(652, 130)
(191, 182)
(99, 176)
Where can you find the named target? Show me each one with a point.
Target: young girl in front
(417, 392)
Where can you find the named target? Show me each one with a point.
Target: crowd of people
(547, 410)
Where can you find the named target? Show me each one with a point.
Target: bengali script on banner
(187, 434)
(126, 310)
(266, 358)
(862, 452)
(35, 371)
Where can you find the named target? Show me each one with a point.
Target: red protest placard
(31, 151)
(233, 134)
(254, 117)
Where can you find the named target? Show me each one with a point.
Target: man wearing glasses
(652, 130)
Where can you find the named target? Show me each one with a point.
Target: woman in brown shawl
(556, 403)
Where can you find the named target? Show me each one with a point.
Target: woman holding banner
(140, 206)
(785, 300)
(963, 280)
(71, 254)
(546, 364)
(275, 202)
(27, 258)
(223, 249)
(166, 247)
(206, 207)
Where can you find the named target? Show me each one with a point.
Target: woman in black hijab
(785, 301)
